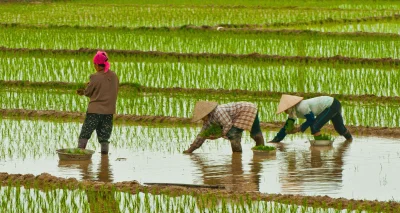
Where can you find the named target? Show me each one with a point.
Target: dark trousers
(235, 132)
(101, 123)
(332, 113)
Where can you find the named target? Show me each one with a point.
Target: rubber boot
(348, 136)
(82, 143)
(235, 145)
(104, 148)
(259, 139)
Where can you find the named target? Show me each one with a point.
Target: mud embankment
(46, 181)
(237, 28)
(177, 90)
(253, 57)
(168, 121)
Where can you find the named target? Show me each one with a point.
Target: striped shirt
(238, 114)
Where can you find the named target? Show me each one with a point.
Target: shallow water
(363, 169)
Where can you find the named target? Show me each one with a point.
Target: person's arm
(199, 139)
(224, 120)
(310, 118)
(282, 132)
(90, 87)
(117, 84)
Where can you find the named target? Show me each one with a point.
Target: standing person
(325, 108)
(233, 118)
(102, 91)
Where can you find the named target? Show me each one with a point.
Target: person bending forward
(233, 118)
(317, 112)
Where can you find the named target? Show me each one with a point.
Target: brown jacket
(102, 91)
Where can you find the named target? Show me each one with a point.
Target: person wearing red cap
(102, 89)
(317, 111)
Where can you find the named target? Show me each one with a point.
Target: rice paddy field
(170, 54)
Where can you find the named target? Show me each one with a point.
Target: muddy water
(366, 168)
(363, 169)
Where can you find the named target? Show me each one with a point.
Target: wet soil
(46, 181)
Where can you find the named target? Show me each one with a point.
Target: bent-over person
(102, 89)
(232, 118)
(317, 111)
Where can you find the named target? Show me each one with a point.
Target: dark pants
(235, 132)
(332, 113)
(101, 123)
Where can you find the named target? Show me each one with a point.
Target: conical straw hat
(202, 109)
(288, 101)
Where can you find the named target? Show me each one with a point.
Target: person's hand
(295, 130)
(212, 137)
(274, 140)
(80, 91)
(187, 151)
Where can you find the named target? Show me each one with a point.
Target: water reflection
(103, 173)
(230, 171)
(309, 172)
(99, 201)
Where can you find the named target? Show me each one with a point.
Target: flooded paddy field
(362, 169)
(168, 56)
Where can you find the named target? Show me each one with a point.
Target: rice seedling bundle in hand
(213, 130)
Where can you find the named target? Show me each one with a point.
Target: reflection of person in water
(103, 201)
(229, 171)
(320, 165)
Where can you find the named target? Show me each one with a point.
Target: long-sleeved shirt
(315, 105)
(102, 91)
(238, 114)
(306, 109)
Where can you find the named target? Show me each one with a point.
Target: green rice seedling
(324, 137)
(264, 148)
(356, 112)
(254, 76)
(385, 26)
(212, 130)
(84, 15)
(197, 41)
(76, 151)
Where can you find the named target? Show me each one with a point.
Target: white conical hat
(288, 101)
(202, 109)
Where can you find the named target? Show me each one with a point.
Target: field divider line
(238, 28)
(128, 87)
(150, 120)
(47, 182)
(255, 57)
